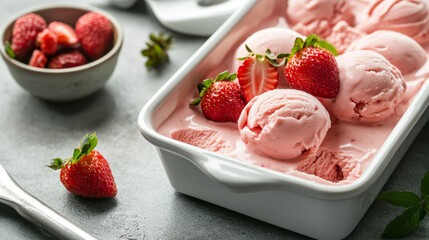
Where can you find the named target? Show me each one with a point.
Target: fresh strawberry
(87, 173)
(221, 99)
(24, 34)
(258, 73)
(47, 41)
(65, 33)
(95, 34)
(67, 60)
(313, 69)
(38, 59)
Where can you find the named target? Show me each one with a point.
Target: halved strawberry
(38, 59)
(47, 41)
(221, 99)
(258, 73)
(65, 33)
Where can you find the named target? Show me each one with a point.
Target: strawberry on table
(38, 59)
(95, 34)
(47, 41)
(24, 33)
(221, 99)
(313, 69)
(87, 173)
(67, 60)
(65, 33)
(258, 73)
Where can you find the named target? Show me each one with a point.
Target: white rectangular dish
(309, 208)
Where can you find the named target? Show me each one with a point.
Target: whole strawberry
(313, 69)
(258, 73)
(95, 34)
(67, 60)
(221, 99)
(87, 173)
(24, 33)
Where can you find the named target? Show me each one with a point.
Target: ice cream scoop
(408, 17)
(317, 16)
(370, 87)
(284, 123)
(402, 51)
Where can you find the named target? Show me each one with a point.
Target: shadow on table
(90, 205)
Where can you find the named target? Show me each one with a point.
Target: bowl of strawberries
(61, 52)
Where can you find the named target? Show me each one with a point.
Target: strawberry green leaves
(9, 50)
(206, 84)
(87, 144)
(313, 41)
(416, 209)
(156, 50)
(268, 55)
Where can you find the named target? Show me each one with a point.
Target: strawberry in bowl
(57, 63)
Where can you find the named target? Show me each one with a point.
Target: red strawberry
(87, 173)
(65, 33)
(38, 59)
(24, 34)
(95, 34)
(221, 99)
(258, 73)
(313, 69)
(47, 40)
(67, 60)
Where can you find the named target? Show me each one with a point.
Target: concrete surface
(32, 131)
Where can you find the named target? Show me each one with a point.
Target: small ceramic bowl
(69, 83)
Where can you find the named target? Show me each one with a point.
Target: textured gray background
(32, 131)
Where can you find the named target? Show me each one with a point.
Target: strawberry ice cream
(402, 51)
(407, 17)
(382, 64)
(370, 87)
(284, 123)
(317, 16)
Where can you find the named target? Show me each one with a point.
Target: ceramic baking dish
(313, 209)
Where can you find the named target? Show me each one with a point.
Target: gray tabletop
(33, 131)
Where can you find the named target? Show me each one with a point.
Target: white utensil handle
(37, 212)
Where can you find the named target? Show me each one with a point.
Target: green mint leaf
(9, 50)
(222, 76)
(311, 41)
(424, 187)
(403, 224)
(426, 205)
(326, 45)
(56, 163)
(401, 198)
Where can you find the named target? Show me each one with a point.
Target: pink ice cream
(203, 138)
(342, 36)
(408, 17)
(284, 123)
(370, 87)
(402, 51)
(317, 16)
